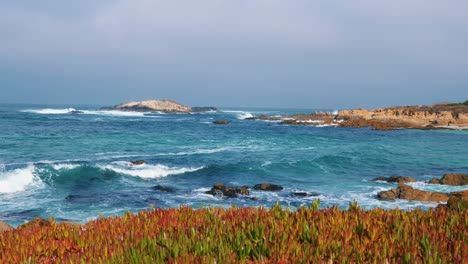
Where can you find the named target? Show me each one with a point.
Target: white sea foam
(65, 166)
(60, 111)
(50, 111)
(240, 114)
(146, 170)
(244, 115)
(16, 180)
(113, 113)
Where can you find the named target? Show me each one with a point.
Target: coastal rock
(406, 192)
(458, 200)
(454, 179)
(397, 179)
(304, 194)
(198, 109)
(421, 117)
(5, 227)
(166, 106)
(76, 112)
(434, 181)
(268, 187)
(36, 222)
(138, 162)
(219, 189)
(221, 122)
(163, 188)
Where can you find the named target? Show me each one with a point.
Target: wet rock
(268, 187)
(454, 179)
(138, 162)
(458, 200)
(163, 188)
(434, 181)
(5, 227)
(204, 109)
(397, 179)
(406, 192)
(76, 112)
(219, 189)
(36, 222)
(254, 198)
(221, 122)
(304, 194)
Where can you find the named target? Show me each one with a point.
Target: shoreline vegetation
(247, 235)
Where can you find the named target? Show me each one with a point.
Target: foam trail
(240, 114)
(113, 113)
(65, 166)
(16, 180)
(146, 171)
(50, 111)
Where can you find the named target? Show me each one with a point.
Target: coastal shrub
(248, 235)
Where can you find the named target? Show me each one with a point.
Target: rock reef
(166, 106)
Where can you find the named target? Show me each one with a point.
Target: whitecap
(147, 171)
(240, 114)
(50, 111)
(113, 113)
(16, 180)
(65, 166)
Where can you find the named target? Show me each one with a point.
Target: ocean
(77, 167)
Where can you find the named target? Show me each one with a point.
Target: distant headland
(166, 106)
(437, 116)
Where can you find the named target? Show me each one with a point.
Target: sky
(238, 53)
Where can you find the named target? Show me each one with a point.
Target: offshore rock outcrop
(451, 179)
(397, 179)
(220, 190)
(166, 106)
(406, 192)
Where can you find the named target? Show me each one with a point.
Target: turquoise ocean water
(75, 167)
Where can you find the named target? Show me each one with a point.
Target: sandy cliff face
(406, 116)
(151, 105)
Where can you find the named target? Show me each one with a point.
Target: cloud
(431, 31)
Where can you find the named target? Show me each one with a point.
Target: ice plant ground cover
(258, 235)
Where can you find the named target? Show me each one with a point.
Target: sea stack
(166, 106)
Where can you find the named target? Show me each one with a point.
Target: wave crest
(147, 171)
(16, 180)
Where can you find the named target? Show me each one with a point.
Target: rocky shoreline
(439, 116)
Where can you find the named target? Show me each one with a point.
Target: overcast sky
(245, 53)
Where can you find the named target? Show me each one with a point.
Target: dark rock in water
(76, 112)
(163, 188)
(304, 194)
(395, 179)
(454, 179)
(221, 122)
(204, 109)
(219, 189)
(254, 198)
(268, 187)
(406, 192)
(36, 222)
(138, 162)
(5, 227)
(458, 200)
(434, 181)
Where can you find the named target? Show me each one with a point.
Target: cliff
(435, 116)
(439, 116)
(151, 106)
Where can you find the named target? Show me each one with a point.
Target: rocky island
(438, 116)
(166, 106)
